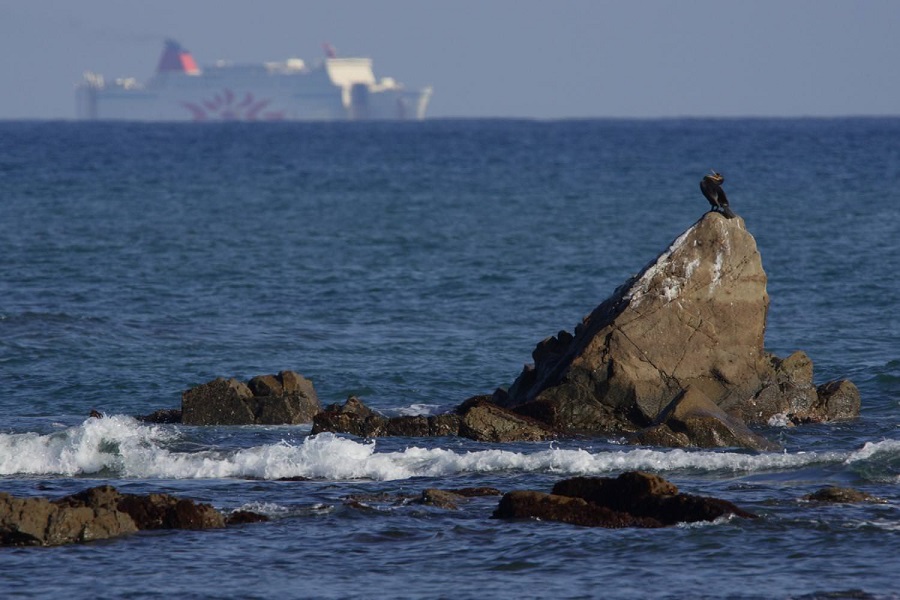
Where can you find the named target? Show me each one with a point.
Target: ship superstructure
(334, 88)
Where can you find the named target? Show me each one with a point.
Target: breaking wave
(124, 447)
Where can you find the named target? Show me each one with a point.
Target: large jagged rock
(95, 514)
(693, 319)
(283, 399)
(633, 499)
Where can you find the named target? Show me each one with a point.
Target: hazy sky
(487, 58)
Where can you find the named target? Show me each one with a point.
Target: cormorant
(711, 186)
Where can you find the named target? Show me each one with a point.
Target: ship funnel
(176, 59)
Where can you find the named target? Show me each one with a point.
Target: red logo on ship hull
(225, 106)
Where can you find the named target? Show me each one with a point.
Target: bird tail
(728, 212)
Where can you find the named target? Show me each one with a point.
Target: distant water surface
(416, 265)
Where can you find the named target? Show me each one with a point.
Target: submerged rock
(283, 399)
(439, 498)
(451, 499)
(633, 499)
(686, 332)
(97, 513)
(841, 495)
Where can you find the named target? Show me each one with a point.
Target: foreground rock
(477, 419)
(688, 328)
(95, 514)
(633, 499)
(283, 399)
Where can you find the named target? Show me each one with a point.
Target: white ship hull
(335, 89)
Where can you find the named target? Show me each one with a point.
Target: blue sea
(415, 265)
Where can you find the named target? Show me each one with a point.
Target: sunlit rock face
(694, 317)
(693, 320)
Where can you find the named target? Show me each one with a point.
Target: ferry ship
(335, 88)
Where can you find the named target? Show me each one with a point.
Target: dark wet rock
(692, 319)
(647, 495)
(474, 492)
(484, 421)
(243, 517)
(848, 594)
(283, 399)
(97, 513)
(443, 425)
(357, 419)
(575, 511)
(451, 499)
(441, 498)
(838, 399)
(841, 495)
(162, 416)
(354, 406)
(162, 511)
(218, 402)
(477, 419)
(352, 417)
(633, 499)
(266, 385)
(408, 426)
(370, 502)
(447, 499)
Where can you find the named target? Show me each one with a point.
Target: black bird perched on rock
(711, 186)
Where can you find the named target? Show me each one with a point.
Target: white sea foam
(873, 449)
(779, 420)
(269, 509)
(417, 410)
(134, 450)
(93, 446)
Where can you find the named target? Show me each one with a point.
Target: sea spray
(134, 450)
(93, 446)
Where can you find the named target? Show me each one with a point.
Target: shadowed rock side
(679, 348)
(633, 499)
(100, 513)
(283, 399)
